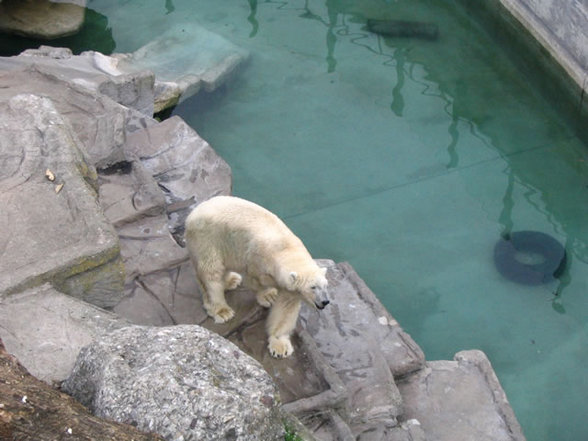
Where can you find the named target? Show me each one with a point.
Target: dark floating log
(32, 410)
(404, 29)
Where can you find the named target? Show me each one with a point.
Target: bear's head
(311, 283)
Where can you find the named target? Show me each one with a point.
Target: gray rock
(185, 59)
(52, 230)
(128, 193)
(182, 382)
(365, 346)
(46, 330)
(147, 246)
(184, 165)
(93, 71)
(460, 400)
(98, 122)
(42, 19)
(165, 297)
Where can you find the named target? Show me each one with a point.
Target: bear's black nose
(324, 303)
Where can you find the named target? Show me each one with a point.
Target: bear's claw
(280, 347)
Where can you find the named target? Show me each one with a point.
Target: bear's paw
(267, 297)
(280, 347)
(222, 314)
(232, 280)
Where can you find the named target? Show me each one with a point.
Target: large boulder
(183, 382)
(44, 19)
(33, 410)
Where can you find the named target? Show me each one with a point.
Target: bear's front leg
(281, 322)
(214, 299)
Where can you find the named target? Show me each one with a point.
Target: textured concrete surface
(561, 27)
(545, 35)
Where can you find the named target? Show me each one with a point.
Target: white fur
(232, 240)
(280, 323)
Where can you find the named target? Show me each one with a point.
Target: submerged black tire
(508, 250)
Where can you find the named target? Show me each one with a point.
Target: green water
(408, 158)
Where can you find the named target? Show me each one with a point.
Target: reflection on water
(251, 18)
(169, 6)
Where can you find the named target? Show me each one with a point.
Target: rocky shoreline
(97, 293)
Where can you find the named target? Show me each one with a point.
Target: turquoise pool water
(408, 158)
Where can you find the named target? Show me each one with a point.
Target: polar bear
(233, 241)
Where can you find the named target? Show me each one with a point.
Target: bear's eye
(314, 287)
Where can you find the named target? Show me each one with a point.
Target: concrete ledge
(534, 40)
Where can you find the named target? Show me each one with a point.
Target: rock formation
(95, 191)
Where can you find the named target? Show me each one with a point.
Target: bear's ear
(292, 279)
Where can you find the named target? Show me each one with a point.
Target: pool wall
(547, 36)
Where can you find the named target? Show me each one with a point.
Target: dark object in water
(404, 29)
(530, 257)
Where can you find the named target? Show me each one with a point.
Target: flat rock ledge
(95, 192)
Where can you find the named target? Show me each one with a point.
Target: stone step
(185, 59)
(53, 228)
(460, 400)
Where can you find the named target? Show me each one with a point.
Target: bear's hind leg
(281, 322)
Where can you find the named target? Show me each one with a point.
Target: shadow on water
(95, 35)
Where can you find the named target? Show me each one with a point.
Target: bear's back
(233, 214)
